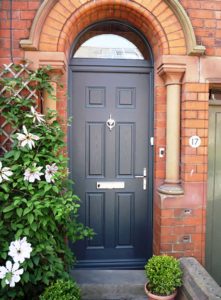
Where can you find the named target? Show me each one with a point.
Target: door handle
(144, 177)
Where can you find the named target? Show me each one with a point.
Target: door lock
(144, 177)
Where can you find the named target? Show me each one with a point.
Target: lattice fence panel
(26, 90)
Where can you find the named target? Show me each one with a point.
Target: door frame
(120, 66)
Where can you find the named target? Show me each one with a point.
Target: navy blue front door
(109, 149)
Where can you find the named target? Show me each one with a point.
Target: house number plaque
(195, 141)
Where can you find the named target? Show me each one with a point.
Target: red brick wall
(22, 18)
(194, 122)
(205, 17)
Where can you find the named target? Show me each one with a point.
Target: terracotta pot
(156, 297)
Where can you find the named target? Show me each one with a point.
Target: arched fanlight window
(108, 46)
(112, 40)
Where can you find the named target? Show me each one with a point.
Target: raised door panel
(95, 218)
(95, 149)
(124, 220)
(125, 144)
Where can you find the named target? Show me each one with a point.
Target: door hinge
(152, 141)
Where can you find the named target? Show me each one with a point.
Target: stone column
(172, 76)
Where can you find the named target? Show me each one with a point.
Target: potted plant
(164, 276)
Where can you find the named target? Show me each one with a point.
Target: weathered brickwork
(181, 228)
(22, 18)
(205, 17)
(179, 222)
(194, 122)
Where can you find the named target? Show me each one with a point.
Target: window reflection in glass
(108, 46)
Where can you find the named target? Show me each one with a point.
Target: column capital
(171, 73)
(56, 60)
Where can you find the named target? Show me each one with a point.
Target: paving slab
(111, 284)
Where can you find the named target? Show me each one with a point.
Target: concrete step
(111, 284)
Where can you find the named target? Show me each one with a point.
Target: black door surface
(109, 148)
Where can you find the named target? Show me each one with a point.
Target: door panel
(125, 139)
(95, 149)
(95, 218)
(213, 244)
(120, 217)
(124, 220)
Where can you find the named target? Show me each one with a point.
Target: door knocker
(110, 123)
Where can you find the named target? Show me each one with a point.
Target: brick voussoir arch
(93, 12)
(97, 13)
(164, 22)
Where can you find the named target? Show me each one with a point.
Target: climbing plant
(37, 202)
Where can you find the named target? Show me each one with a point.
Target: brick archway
(164, 23)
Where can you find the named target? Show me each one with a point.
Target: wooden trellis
(24, 90)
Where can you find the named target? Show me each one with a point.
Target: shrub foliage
(62, 290)
(44, 212)
(164, 275)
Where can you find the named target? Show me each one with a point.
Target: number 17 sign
(195, 141)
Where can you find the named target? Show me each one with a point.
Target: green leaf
(13, 226)
(55, 189)
(5, 187)
(3, 284)
(30, 263)
(34, 226)
(8, 208)
(36, 260)
(47, 188)
(26, 231)
(17, 155)
(30, 218)
(19, 211)
(27, 210)
(19, 233)
(4, 255)
(25, 276)
(9, 154)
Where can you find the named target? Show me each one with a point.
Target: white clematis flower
(3, 272)
(27, 138)
(11, 273)
(50, 171)
(19, 250)
(32, 174)
(4, 173)
(36, 116)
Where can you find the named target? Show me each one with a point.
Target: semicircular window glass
(108, 46)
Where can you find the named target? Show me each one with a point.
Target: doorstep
(110, 284)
